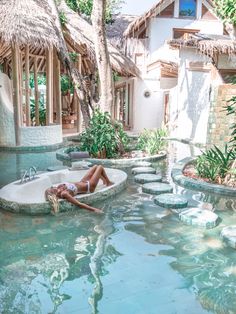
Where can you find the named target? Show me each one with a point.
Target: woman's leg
(99, 173)
(89, 174)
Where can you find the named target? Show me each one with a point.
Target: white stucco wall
(161, 29)
(7, 131)
(148, 112)
(226, 62)
(41, 135)
(194, 88)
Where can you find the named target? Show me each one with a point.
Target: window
(184, 33)
(187, 8)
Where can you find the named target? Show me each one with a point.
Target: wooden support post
(20, 65)
(36, 92)
(27, 89)
(79, 122)
(49, 91)
(16, 95)
(57, 88)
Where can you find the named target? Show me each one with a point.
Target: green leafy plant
(215, 163)
(66, 84)
(152, 141)
(103, 138)
(42, 111)
(63, 18)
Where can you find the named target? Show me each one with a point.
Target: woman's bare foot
(109, 183)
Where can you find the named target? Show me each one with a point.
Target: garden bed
(192, 182)
(127, 159)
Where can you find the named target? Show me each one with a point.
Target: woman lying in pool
(68, 190)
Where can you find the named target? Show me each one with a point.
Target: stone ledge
(62, 155)
(194, 184)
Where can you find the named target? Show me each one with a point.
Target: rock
(142, 164)
(229, 236)
(157, 188)
(56, 168)
(168, 200)
(81, 165)
(140, 170)
(199, 217)
(147, 178)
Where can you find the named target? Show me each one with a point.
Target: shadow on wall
(196, 102)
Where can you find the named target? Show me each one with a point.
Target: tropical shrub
(103, 138)
(214, 164)
(152, 141)
(42, 111)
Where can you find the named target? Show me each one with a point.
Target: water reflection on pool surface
(137, 258)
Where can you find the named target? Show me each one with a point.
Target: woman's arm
(66, 195)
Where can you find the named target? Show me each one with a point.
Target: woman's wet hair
(51, 197)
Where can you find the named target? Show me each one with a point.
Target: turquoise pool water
(136, 259)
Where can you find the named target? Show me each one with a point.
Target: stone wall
(41, 135)
(219, 123)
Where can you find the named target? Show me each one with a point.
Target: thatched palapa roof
(79, 36)
(116, 29)
(27, 23)
(207, 44)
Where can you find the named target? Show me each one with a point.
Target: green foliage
(103, 138)
(226, 9)
(215, 163)
(152, 141)
(41, 80)
(62, 18)
(42, 111)
(85, 7)
(66, 84)
(73, 56)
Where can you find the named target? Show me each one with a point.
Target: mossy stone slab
(168, 200)
(199, 217)
(157, 188)
(147, 178)
(56, 168)
(139, 170)
(142, 164)
(229, 236)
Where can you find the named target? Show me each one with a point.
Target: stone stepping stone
(199, 217)
(140, 170)
(55, 168)
(173, 201)
(157, 188)
(229, 236)
(77, 165)
(147, 178)
(142, 164)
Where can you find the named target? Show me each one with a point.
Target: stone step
(199, 217)
(157, 188)
(228, 234)
(147, 178)
(139, 170)
(142, 164)
(172, 201)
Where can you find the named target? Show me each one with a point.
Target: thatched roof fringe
(208, 47)
(27, 23)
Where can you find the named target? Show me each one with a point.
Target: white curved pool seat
(25, 197)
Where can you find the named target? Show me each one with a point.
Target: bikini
(74, 189)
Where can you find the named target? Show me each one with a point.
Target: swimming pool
(137, 258)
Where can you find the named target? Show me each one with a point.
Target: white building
(178, 85)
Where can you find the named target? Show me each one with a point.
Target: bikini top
(71, 187)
